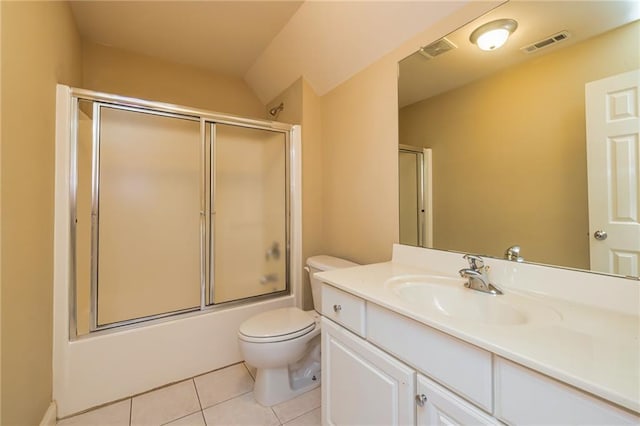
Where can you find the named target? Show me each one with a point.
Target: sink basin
(449, 297)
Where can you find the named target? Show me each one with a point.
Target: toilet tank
(323, 263)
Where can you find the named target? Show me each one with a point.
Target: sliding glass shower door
(250, 207)
(147, 213)
(173, 213)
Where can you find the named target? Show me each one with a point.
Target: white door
(613, 159)
(361, 385)
(438, 406)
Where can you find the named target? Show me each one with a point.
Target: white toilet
(284, 344)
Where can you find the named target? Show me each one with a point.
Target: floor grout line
(201, 409)
(182, 417)
(226, 400)
(276, 415)
(193, 379)
(248, 370)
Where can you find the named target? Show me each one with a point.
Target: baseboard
(49, 418)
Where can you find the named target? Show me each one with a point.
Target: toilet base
(276, 385)
(273, 385)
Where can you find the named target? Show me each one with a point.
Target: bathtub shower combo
(173, 225)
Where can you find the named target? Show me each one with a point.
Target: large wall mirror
(533, 144)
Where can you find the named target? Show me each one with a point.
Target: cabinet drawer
(344, 308)
(526, 397)
(463, 368)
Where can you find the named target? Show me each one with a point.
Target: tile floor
(221, 397)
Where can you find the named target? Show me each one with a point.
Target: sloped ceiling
(223, 36)
(268, 43)
(327, 42)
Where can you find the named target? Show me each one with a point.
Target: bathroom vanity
(403, 342)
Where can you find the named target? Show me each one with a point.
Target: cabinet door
(361, 385)
(438, 406)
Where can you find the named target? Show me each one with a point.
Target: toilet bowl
(284, 344)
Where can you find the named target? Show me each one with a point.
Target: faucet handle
(475, 262)
(513, 253)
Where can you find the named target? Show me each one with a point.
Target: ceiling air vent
(549, 41)
(436, 48)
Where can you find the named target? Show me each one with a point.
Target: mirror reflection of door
(414, 168)
(613, 157)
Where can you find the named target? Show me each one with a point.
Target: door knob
(600, 235)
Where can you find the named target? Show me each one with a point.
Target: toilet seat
(277, 325)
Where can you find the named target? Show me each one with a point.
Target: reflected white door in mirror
(613, 161)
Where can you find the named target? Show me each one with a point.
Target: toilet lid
(285, 322)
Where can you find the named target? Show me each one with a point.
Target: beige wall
(40, 47)
(312, 177)
(0, 220)
(111, 70)
(494, 135)
(360, 151)
(303, 106)
(360, 156)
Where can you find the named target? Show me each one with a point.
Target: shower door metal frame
(95, 215)
(207, 120)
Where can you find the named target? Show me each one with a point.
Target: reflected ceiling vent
(549, 41)
(436, 48)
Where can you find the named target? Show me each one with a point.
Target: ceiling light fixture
(494, 34)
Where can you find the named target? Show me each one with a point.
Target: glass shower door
(249, 206)
(174, 211)
(147, 214)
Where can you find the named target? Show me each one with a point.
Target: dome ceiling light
(494, 34)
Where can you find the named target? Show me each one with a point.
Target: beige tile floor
(221, 397)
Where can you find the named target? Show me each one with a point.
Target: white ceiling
(268, 43)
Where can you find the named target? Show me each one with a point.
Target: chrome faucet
(477, 277)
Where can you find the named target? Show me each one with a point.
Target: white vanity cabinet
(398, 371)
(462, 367)
(361, 385)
